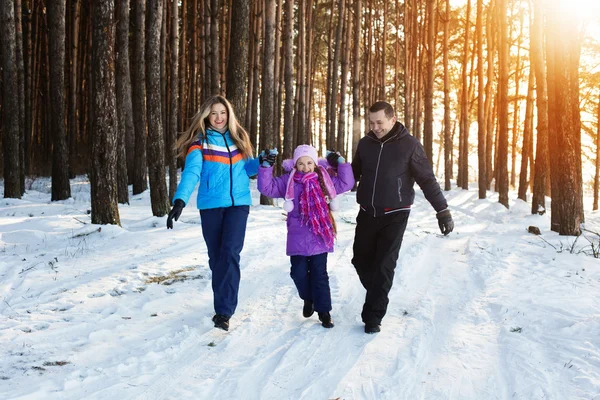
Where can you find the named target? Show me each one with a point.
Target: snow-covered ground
(104, 312)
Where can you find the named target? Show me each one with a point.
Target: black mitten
(175, 212)
(445, 222)
(267, 157)
(334, 158)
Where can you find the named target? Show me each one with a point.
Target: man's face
(380, 124)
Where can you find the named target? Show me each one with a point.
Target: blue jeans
(310, 276)
(224, 230)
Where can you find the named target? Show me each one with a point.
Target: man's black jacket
(387, 170)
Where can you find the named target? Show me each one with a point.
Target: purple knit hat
(309, 151)
(305, 150)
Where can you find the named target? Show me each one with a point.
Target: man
(388, 162)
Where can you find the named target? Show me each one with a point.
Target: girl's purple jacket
(300, 240)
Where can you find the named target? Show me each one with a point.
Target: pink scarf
(313, 209)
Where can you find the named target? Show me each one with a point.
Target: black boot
(372, 328)
(221, 321)
(308, 309)
(326, 320)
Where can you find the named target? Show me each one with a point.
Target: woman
(218, 155)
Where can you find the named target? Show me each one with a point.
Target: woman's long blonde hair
(197, 129)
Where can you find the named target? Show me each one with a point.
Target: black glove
(267, 157)
(445, 222)
(334, 158)
(175, 212)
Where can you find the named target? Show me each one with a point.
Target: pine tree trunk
(174, 107)
(542, 163)
(214, 44)
(61, 188)
(156, 149)
(267, 111)
(334, 75)
(447, 111)
(182, 121)
(138, 81)
(341, 134)
(597, 174)
(564, 140)
(124, 103)
(20, 90)
(429, 81)
(527, 134)
(516, 108)
(463, 159)
(27, 65)
(288, 108)
(489, 95)
(237, 67)
(10, 103)
(105, 209)
(74, 87)
(481, 133)
(356, 131)
(502, 171)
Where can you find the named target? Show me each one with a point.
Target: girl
(218, 155)
(307, 190)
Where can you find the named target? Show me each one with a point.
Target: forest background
(504, 94)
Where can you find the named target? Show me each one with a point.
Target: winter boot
(372, 328)
(326, 320)
(221, 321)
(308, 309)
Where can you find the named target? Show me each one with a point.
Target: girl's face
(305, 164)
(218, 117)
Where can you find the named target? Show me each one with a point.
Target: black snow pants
(377, 242)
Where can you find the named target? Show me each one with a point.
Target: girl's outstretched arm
(344, 181)
(269, 185)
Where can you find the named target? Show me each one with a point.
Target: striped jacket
(222, 171)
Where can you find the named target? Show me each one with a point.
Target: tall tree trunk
(105, 209)
(341, 135)
(597, 175)
(20, 90)
(61, 187)
(74, 87)
(138, 75)
(156, 150)
(28, 58)
(124, 103)
(214, 44)
(334, 74)
(300, 118)
(172, 132)
(463, 158)
(182, 121)
(356, 131)
(267, 112)
(447, 111)
(237, 67)
(527, 135)
(10, 103)
(502, 168)
(481, 133)
(490, 99)
(429, 81)
(288, 109)
(542, 163)
(564, 140)
(516, 108)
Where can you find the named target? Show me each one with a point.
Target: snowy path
(490, 312)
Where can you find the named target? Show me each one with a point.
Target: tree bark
(237, 67)
(105, 209)
(267, 112)
(20, 90)
(61, 187)
(542, 163)
(356, 130)
(447, 111)
(463, 159)
(564, 140)
(429, 81)
(156, 149)
(288, 109)
(502, 168)
(481, 133)
(138, 75)
(124, 103)
(334, 74)
(527, 135)
(174, 86)
(597, 174)
(10, 104)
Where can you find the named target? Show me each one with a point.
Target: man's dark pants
(224, 230)
(377, 242)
